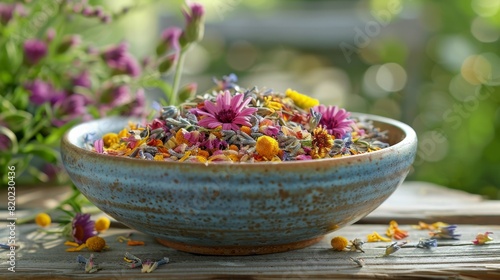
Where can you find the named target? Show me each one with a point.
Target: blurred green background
(432, 64)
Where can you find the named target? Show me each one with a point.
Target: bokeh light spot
(485, 8)
(484, 31)
(476, 70)
(242, 55)
(391, 77)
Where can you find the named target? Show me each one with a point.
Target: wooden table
(43, 256)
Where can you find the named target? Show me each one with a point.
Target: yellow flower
(271, 104)
(102, 224)
(322, 143)
(95, 243)
(375, 237)
(303, 101)
(123, 133)
(158, 157)
(110, 139)
(267, 147)
(339, 243)
(43, 219)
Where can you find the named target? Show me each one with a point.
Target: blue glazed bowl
(243, 208)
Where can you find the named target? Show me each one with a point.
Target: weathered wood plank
(421, 201)
(43, 257)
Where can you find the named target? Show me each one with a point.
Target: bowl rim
(409, 138)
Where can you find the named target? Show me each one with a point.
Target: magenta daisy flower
(228, 112)
(334, 120)
(83, 228)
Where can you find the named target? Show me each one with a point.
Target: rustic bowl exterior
(238, 209)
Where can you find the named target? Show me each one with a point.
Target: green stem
(177, 77)
(33, 132)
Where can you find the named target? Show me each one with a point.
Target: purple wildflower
(71, 107)
(228, 112)
(115, 96)
(88, 11)
(195, 12)
(51, 170)
(7, 11)
(119, 59)
(106, 19)
(334, 120)
(82, 80)
(170, 40)
(82, 228)
(50, 35)
(194, 23)
(69, 42)
(4, 142)
(137, 106)
(227, 82)
(34, 50)
(42, 92)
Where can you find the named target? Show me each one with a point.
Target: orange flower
(395, 232)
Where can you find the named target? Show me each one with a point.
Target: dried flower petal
(482, 238)
(395, 232)
(356, 245)
(433, 226)
(393, 248)
(427, 243)
(359, 261)
(447, 232)
(375, 237)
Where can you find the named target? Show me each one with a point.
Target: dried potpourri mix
(245, 125)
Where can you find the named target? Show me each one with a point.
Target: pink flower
(99, 146)
(334, 119)
(228, 112)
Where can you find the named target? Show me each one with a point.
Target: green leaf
(160, 84)
(56, 134)
(14, 146)
(16, 120)
(6, 105)
(42, 177)
(43, 151)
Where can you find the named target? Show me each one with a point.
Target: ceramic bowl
(243, 208)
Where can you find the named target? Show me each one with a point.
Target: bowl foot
(238, 250)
